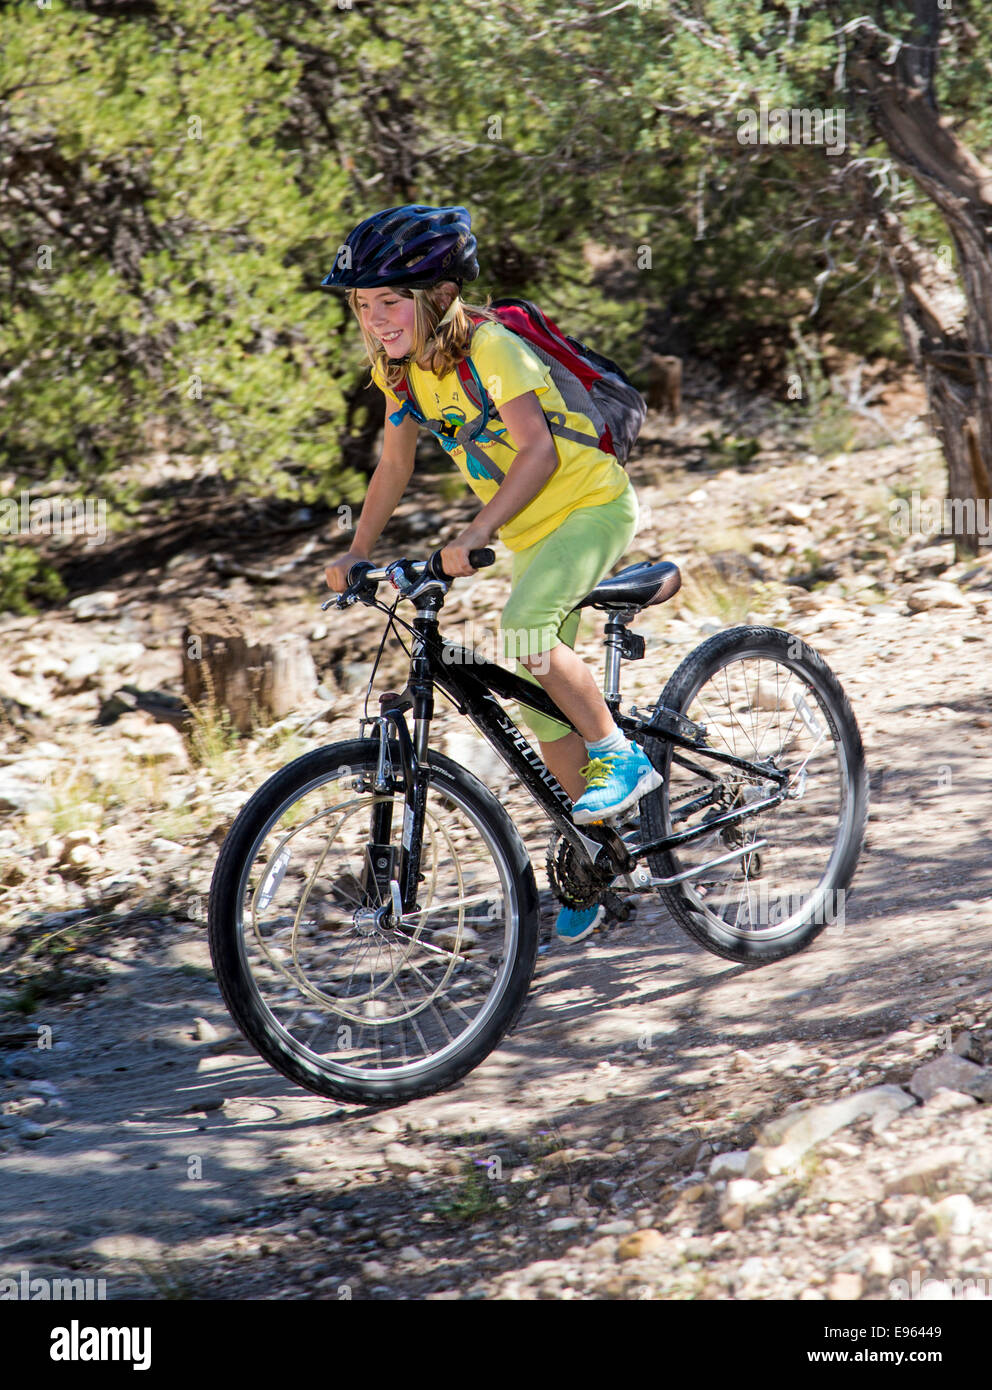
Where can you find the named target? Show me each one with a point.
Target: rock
(80, 672)
(844, 1287)
(410, 1253)
(205, 1031)
(943, 1101)
(127, 1247)
(687, 1156)
(28, 1129)
(948, 1070)
(967, 1045)
(729, 1165)
(743, 1061)
(161, 743)
(954, 1215)
(43, 1088)
(85, 835)
(564, 1223)
(924, 1174)
(451, 939)
(16, 794)
(929, 557)
(939, 593)
(403, 1159)
(96, 605)
(783, 1142)
(560, 1197)
(740, 1195)
(796, 512)
(386, 1124)
(881, 1263)
(374, 1269)
(640, 1243)
(80, 861)
(769, 543)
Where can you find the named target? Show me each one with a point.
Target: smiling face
(389, 317)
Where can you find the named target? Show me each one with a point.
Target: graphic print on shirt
(453, 420)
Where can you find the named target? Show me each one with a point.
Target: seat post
(613, 641)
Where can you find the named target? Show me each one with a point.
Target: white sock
(613, 743)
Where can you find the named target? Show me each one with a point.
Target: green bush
(25, 576)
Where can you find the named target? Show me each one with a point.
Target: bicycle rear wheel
(330, 995)
(762, 694)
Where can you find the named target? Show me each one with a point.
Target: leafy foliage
(176, 178)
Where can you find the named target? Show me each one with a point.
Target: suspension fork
(403, 865)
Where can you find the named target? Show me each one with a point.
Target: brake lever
(356, 591)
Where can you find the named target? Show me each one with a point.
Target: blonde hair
(442, 348)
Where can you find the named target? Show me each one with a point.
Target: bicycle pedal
(619, 912)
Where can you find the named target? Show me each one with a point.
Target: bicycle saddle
(637, 586)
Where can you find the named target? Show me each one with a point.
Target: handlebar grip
(478, 559)
(357, 570)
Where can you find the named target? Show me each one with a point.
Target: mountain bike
(373, 915)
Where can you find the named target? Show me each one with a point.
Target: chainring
(572, 883)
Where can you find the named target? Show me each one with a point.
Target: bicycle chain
(685, 796)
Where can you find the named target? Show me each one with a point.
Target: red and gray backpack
(588, 383)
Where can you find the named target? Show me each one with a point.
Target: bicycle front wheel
(330, 993)
(763, 695)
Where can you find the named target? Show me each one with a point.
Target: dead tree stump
(665, 384)
(230, 663)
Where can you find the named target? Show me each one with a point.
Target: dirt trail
(143, 1142)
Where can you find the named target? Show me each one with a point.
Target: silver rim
(758, 707)
(350, 995)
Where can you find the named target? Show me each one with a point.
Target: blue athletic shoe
(575, 924)
(615, 782)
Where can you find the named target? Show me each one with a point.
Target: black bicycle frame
(472, 682)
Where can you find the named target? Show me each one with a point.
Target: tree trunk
(950, 342)
(231, 666)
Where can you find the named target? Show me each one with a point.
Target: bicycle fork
(391, 872)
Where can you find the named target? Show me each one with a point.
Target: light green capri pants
(551, 577)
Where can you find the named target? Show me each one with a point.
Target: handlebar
(429, 568)
(364, 575)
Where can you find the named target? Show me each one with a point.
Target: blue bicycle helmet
(412, 246)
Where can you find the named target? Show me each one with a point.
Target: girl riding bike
(565, 509)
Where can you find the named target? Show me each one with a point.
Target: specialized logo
(531, 758)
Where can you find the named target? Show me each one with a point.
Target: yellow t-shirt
(586, 476)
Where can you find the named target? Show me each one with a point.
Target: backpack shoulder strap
(408, 403)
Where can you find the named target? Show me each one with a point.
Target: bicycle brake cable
(390, 616)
